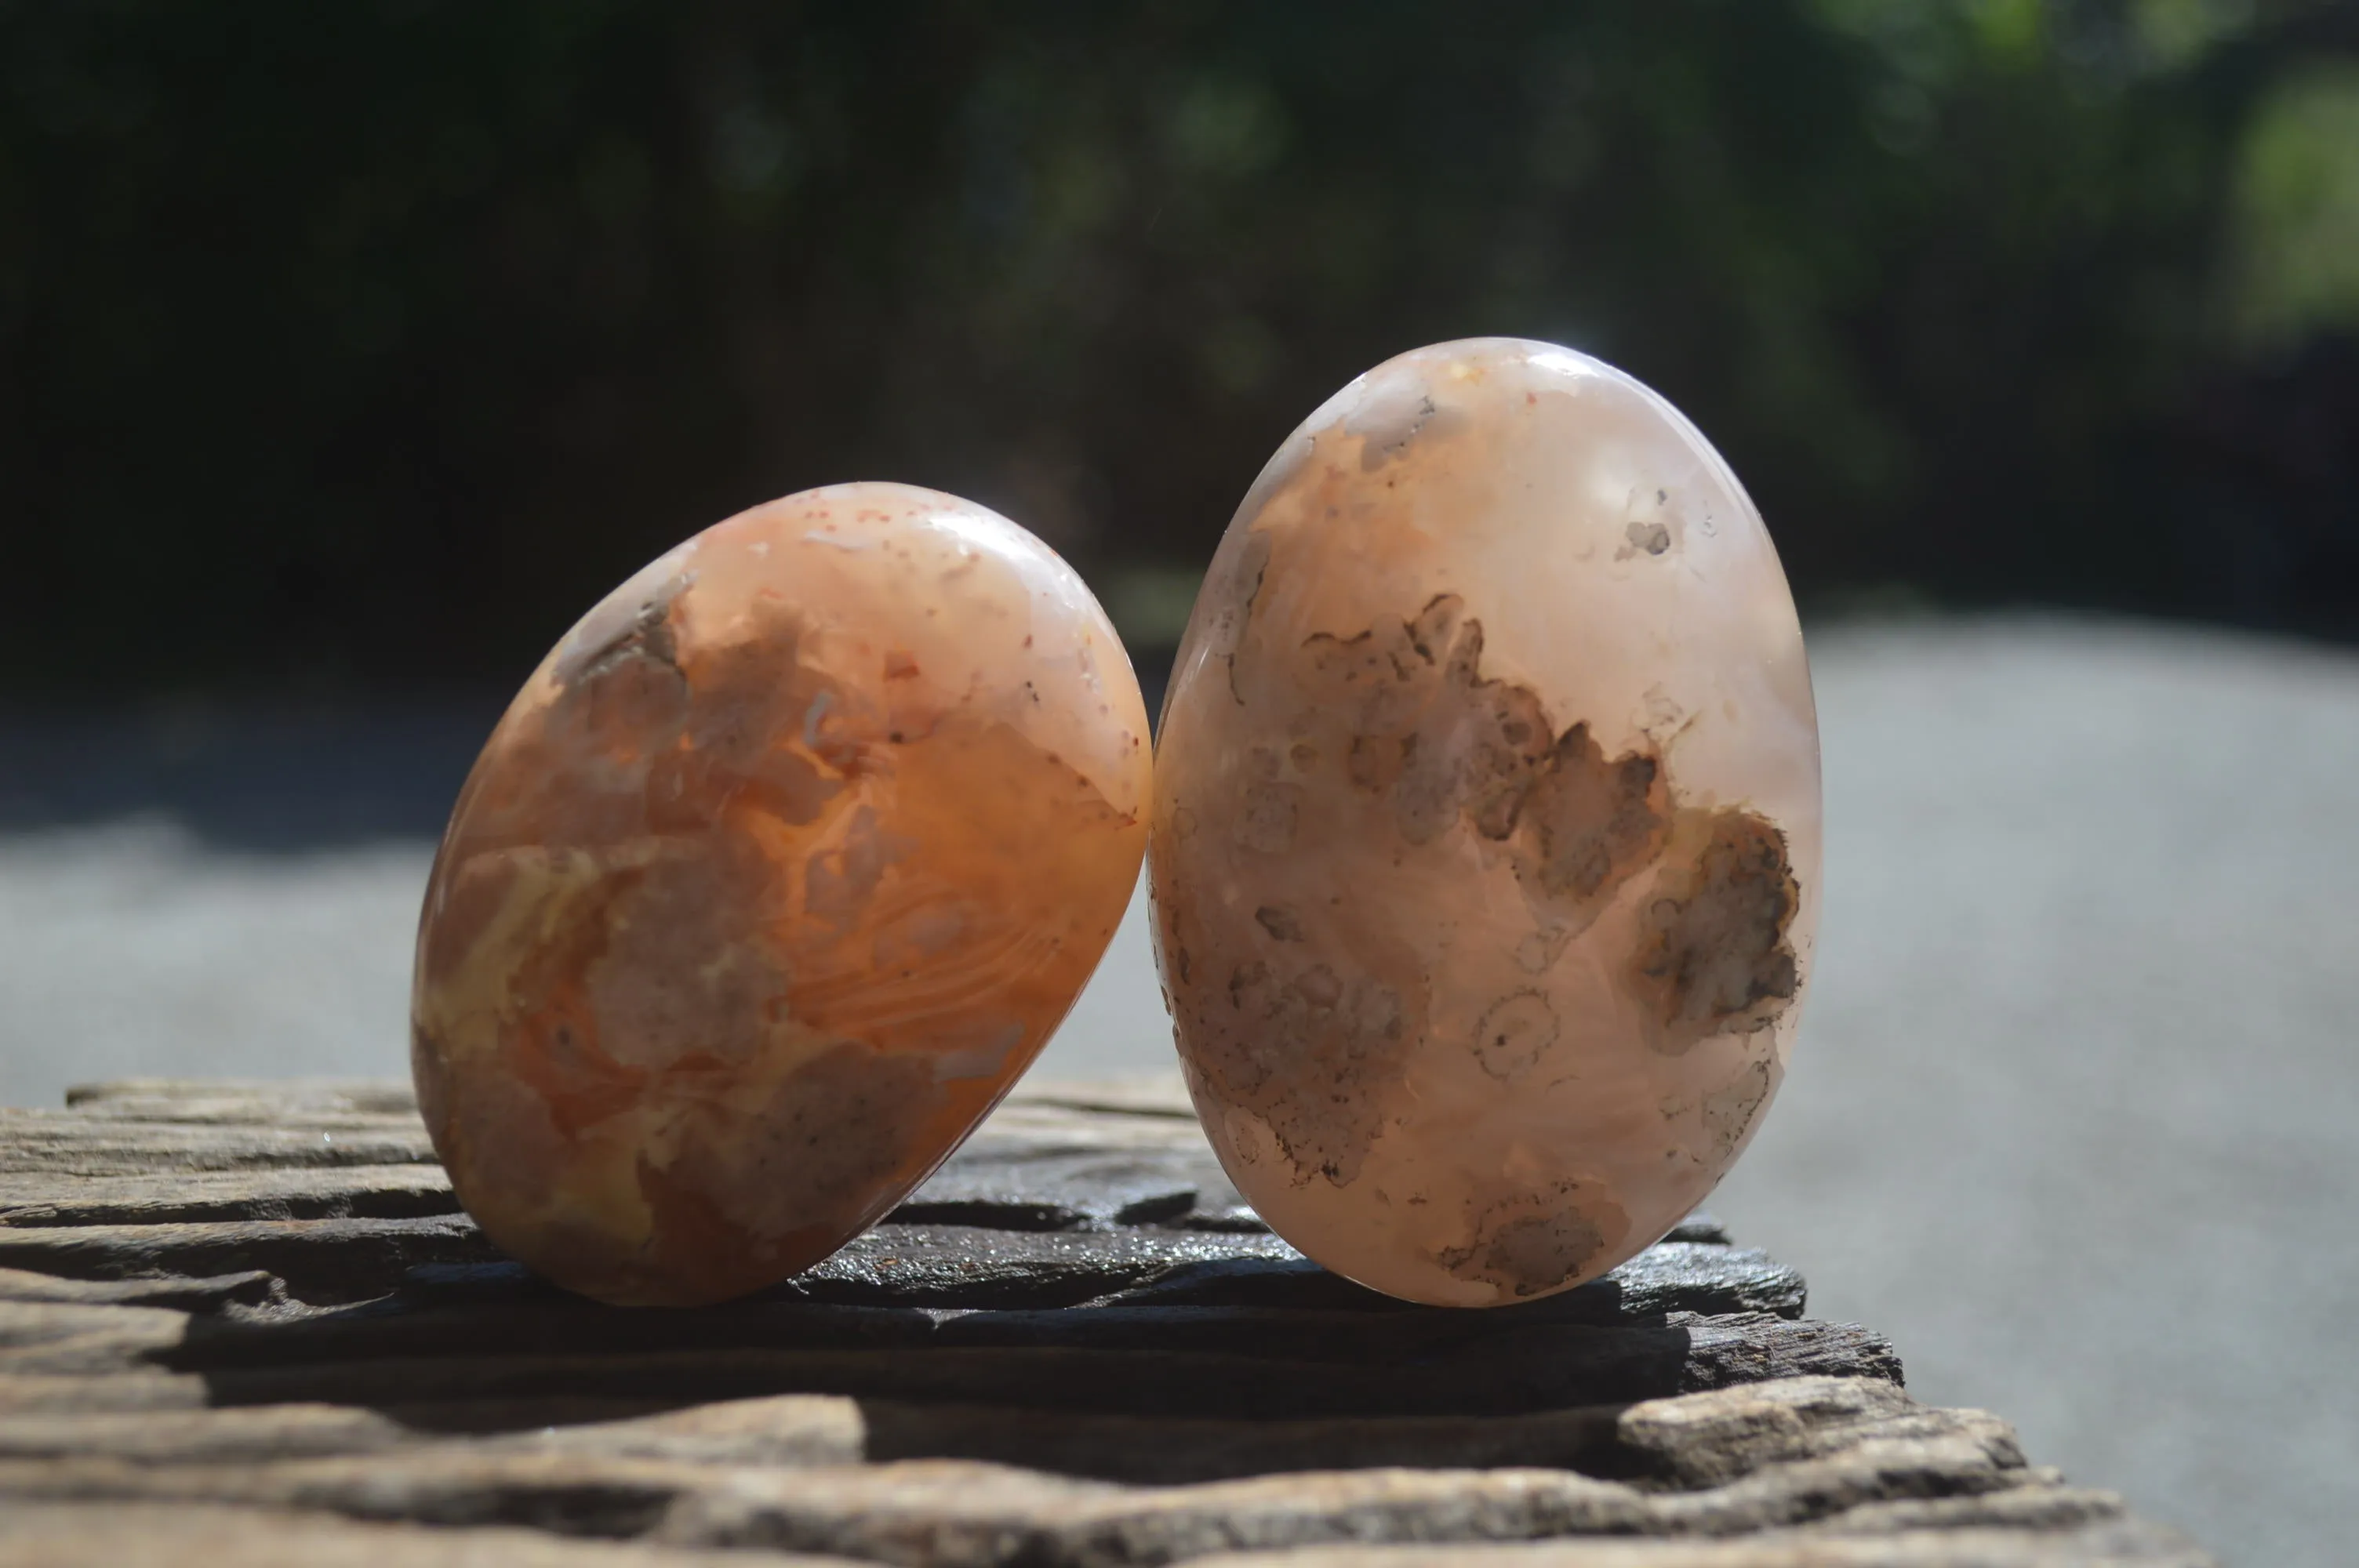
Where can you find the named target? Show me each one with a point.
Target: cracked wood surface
(247, 1323)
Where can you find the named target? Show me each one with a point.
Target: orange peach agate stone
(775, 876)
(1485, 837)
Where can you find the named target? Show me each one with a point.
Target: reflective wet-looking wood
(247, 1323)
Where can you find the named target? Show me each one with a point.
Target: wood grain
(247, 1323)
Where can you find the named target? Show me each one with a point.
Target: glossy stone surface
(1485, 840)
(776, 873)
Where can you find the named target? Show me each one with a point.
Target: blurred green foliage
(376, 339)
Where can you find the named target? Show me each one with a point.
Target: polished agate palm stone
(776, 873)
(1485, 835)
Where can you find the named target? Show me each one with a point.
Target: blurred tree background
(368, 343)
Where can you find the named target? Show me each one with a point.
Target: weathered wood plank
(1144, 1093)
(2085, 1536)
(59, 1337)
(807, 1430)
(68, 1143)
(953, 1514)
(118, 1535)
(943, 1515)
(1055, 1157)
(206, 1436)
(1076, 1347)
(250, 1288)
(350, 1191)
(161, 1126)
(272, 1099)
(1010, 1186)
(320, 1259)
(142, 1389)
(1013, 1185)
(266, 1101)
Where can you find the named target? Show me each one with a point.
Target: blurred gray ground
(2071, 1118)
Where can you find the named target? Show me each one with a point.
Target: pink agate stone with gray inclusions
(1486, 827)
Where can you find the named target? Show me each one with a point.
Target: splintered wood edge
(35, 1534)
(1145, 1093)
(1142, 1094)
(364, 1096)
